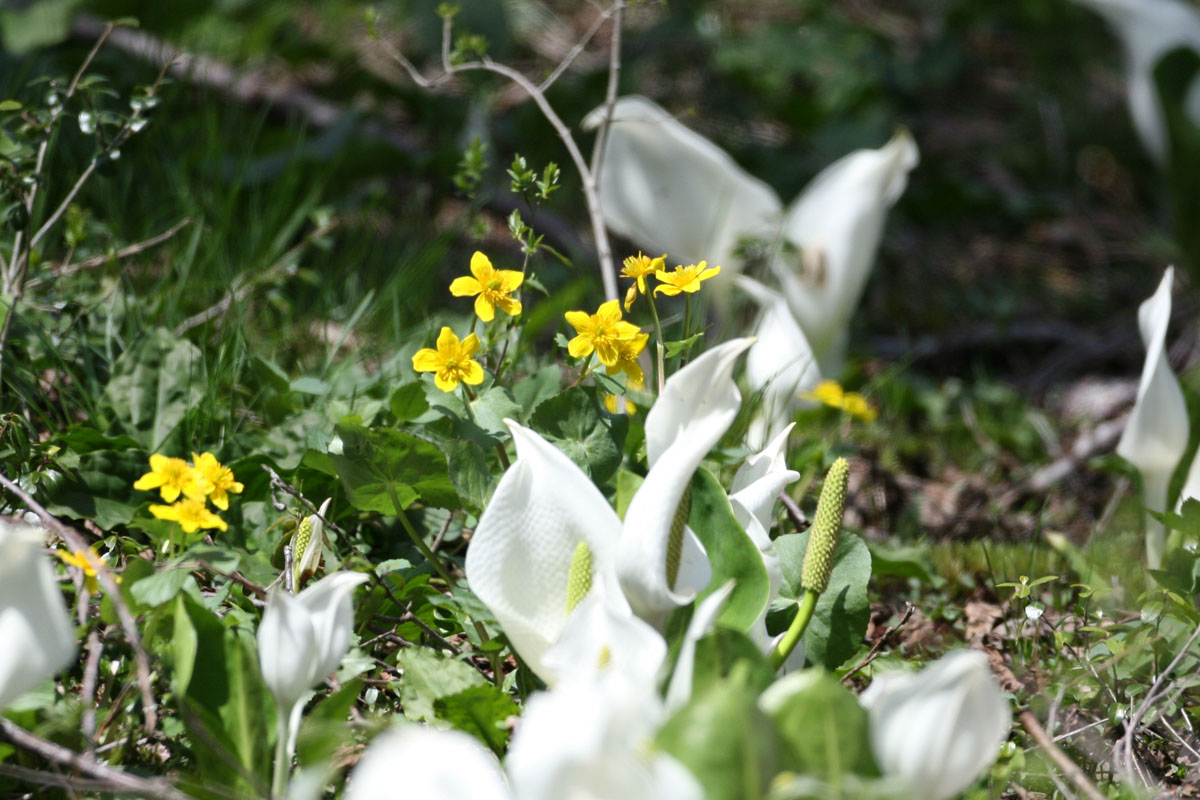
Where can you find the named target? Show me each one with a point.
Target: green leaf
(822, 723)
(731, 552)
(904, 562)
(310, 385)
(840, 619)
(83, 439)
(481, 711)
(380, 465)
(573, 421)
(408, 401)
(324, 728)
(532, 390)
(723, 738)
(101, 489)
(428, 677)
(183, 647)
(720, 652)
(627, 485)
(10, 105)
(682, 346)
(156, 589)
(46, 22)
(153, 385)
(470, 472)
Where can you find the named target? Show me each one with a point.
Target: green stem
(282, 760)
(687, 326)
(587, 366)
(416, 538)
(796, 630)
(659, 372)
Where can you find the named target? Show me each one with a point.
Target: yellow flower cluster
(204, 479)
(684, 279)
(832, 394)
(615, 342)
(492, 288)
(451, 362)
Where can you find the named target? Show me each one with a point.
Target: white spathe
(938, 729)
(36, 635)
(779, 366)
(679, 689)
(303, 639)
(519, 559)
(671, 190)
(1156, 435)
(421, 762)
(1148, 30)
(834, 228)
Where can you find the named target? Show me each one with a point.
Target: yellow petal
(469, 346)
(581, 321)
(427, 360)
(473, 373)
(465, 287)
(484, 308)
(708, 273)
(580, 347)
(158, 462)
(481, 266)
(169, 493)
(607, 354)
(151, 480)
(609, 310)
(445, 381)
(509, 305)
(169, 513)
(447, 342)
(630, 296)
(510, 280)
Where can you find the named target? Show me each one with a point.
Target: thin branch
(91, 671)
(279, 483)
(570, 57)
(128, 623)
(103, 777)
(873, 653)
(1068, 767)
(1152, 696)
(124, 252)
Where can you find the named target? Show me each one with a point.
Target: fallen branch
(124, 252)
(99, 777)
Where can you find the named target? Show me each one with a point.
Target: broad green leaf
(323, 730)
(381, 467)
(480, 711)
(575, 423)
(822, 723)
(26, 28)
(183, 647)
(532, 390)
(730, 745)
(470, 472)
(84, 439)
(162, 586)
(627, 485)
(840, 619)
(904, 562)
(730, 551)
(408, 401)
(153, 385)
(428, 677)
(101, 489)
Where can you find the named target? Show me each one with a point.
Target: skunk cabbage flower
(302, 640)
(36, 635)
(780, 365)
(836, 224)
(940, 728)
(755, 490)
(432, 764)
(663, 183)
(671, 190)
(1157, 432)
(1148, 30)
(548, 538)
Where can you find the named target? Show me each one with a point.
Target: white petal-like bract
(416, 761)
(938, 729)
(37, 637)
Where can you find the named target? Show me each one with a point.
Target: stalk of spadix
(818, 557)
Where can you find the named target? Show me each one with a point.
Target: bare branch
(124, 252)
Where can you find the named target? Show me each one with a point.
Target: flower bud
(822, 537)
(940, 728)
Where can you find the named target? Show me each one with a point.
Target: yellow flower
(628, 351)
(600, 332)
(191, 514)
(86, 561)
(610, 402)
(451, 362)
(171, 476)
(493, 287)
(684, 279)
(638, 267)
(216, 480)
(831, 394)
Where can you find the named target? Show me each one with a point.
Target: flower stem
(587, 367)
(796, 630)
(416, 537)
(659, 370)
(282, 760)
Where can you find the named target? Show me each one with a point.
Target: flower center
(579, 576)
